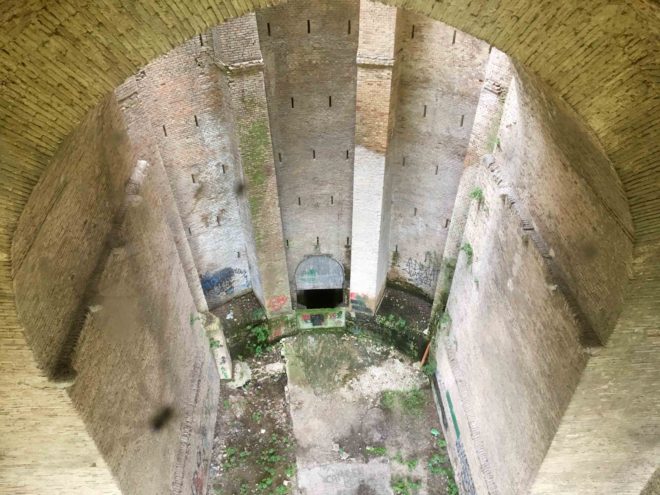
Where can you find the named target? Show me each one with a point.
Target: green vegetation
(478, 194)
(258, 314)
(436, 464)
(214, 343)
(467, 249)
(259, 335)
(445, 320)
(377, 451)
(405, 486)
(429, 368)
(271, 462)
(408, 401)
(393, 322)
(439, 464)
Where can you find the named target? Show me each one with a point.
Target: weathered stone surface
(309, 71)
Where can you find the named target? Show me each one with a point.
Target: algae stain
(255, 147)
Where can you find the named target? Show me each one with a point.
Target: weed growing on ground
(408, 401)
(429, 368)
(377, 451)
(405, 486)
(393, 322)
(271, 461)
(259, 335)
(439, 464)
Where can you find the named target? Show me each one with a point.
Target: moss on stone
(255, 146)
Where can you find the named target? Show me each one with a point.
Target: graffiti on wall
(359, 303)
(309, 275)
(205, 433)
(464, 474)
(308, 319)
(276, 303)
(319, 272)
(423, 274)
(225, 282)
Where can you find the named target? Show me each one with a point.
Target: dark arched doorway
(319, 282)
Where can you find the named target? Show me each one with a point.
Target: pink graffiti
(276, 303)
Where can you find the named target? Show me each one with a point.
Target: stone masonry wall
(102, 213)
(243, 79)
(309, 65)
(513, 347)
(440, 72)
(62, 238)
(572, 195)
(190, 118)
(143, 351)
(369, 249)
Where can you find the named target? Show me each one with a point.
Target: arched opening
(319, 283)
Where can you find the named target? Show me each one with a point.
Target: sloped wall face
(611, 425)
(143, 355)
(547, 235)
(438, 75)
(513, 348)
(105, 300)
(61, 241)
(191, 123)
(573, 197)
(309, 65)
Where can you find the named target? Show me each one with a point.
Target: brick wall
(310, 84)
(514, 356)
(439, 73)
(513, 346)
(573, 196)
(243, 80)
(609, 438)
(371, 199)
(190, 121)
(58, 61)
(124, 328)
(143, 350)
(64, 232)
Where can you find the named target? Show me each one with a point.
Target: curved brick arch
(57, 62)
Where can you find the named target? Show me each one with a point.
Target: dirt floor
(236, 316)
(254, 447)
(414, 309)
(330, 414)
